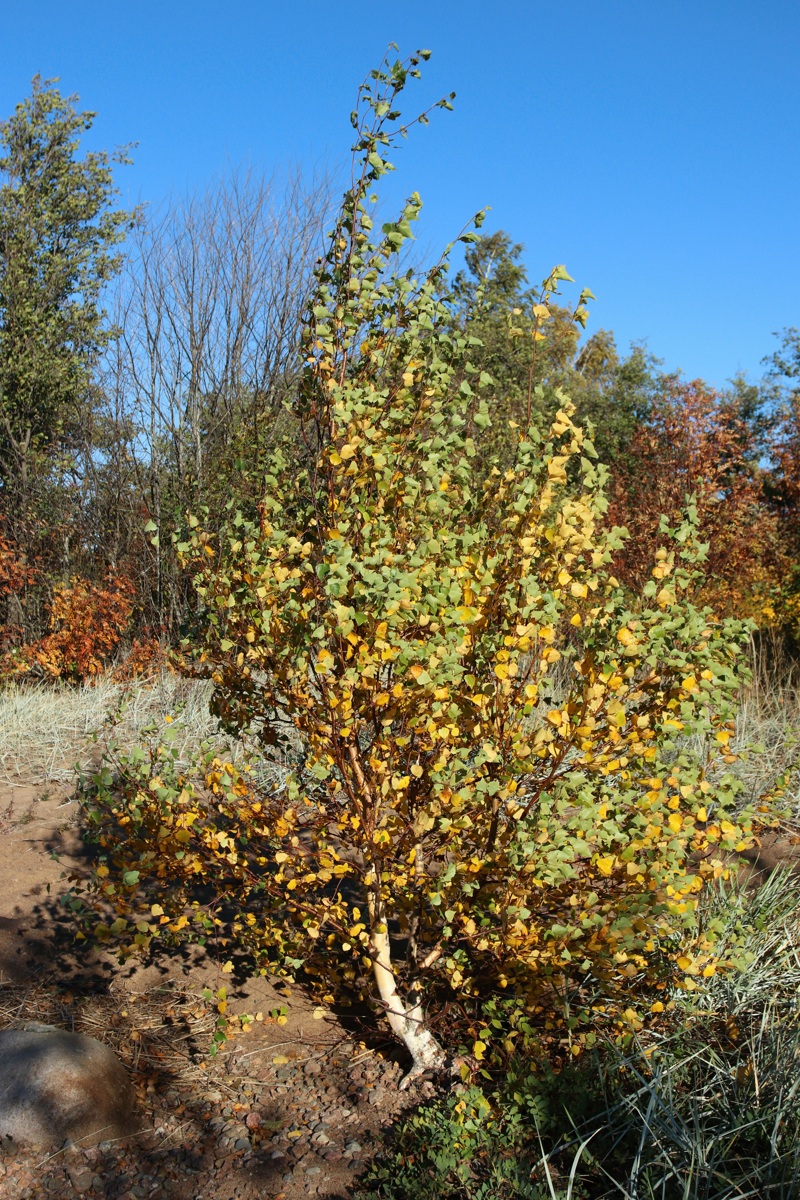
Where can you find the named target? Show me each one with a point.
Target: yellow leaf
(479, 1049)
(684, 963)
(657, 1007)
(280, 1060)
(606, 865)
(227, 967)
(675, 822)
(155, 910)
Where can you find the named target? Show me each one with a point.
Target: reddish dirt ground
(295, 1107)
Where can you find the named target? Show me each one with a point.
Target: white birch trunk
(406, 1021)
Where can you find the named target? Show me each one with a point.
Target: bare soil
(295, 1107)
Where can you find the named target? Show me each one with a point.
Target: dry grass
(768, 721)
(45, 731)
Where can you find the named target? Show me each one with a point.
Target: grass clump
(704, 1107)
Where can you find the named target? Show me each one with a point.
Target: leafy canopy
(498, 772)
(57, 251)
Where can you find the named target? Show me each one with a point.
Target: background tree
(782, 476)
(531, 349)
(58, 235)
(211, 312)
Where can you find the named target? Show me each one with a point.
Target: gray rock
(56, 1085)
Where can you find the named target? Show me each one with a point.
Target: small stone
(313, 1170)
(81, 1180)
(352, 1148)
(242, 1143)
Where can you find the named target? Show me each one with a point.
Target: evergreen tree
(58, 239)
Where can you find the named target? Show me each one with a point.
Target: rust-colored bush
(147, 656)
(87, 622)
(696, 445)
(15, 575)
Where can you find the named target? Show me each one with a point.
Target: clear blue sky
(652, 147)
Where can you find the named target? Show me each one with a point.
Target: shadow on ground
(295, 1107)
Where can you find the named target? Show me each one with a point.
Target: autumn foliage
(504, 773)
(87, 623)
(15, 575)
(696, 452)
